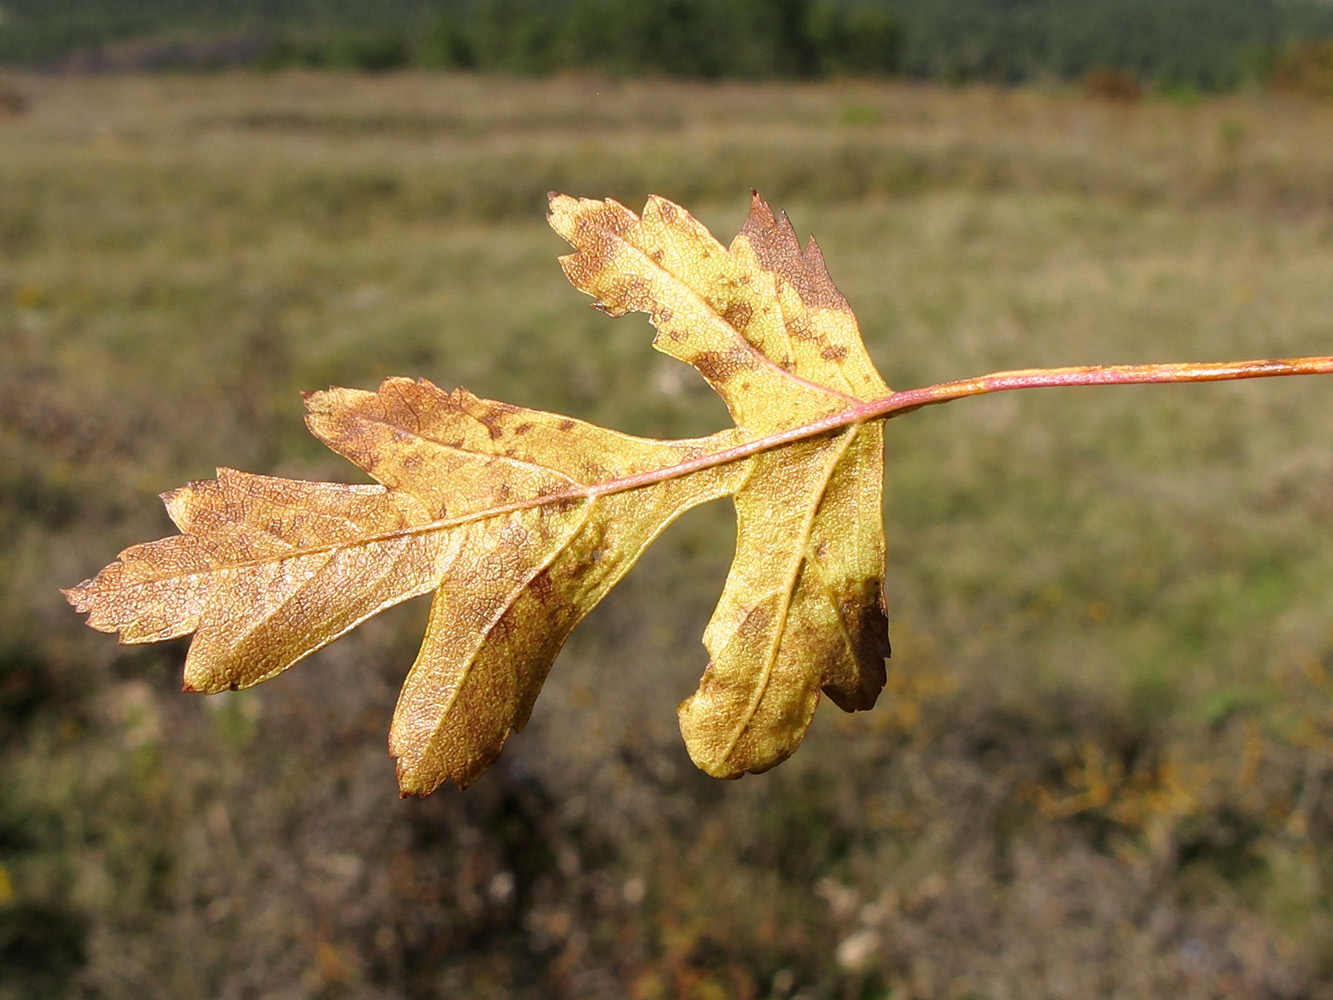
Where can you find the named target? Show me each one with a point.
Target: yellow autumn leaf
(520, 521)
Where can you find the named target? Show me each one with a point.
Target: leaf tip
(316, 400)
(413, 785)
(78, 595)
(557, 205)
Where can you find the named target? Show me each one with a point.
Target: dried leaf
(520, 521)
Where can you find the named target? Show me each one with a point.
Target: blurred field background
(1104, 762)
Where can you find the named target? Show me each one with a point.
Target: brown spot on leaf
(566, 424)
(542, 586)
(752, 627)
(738, 315)
(716, 366)
(833, 353)
(798, 328)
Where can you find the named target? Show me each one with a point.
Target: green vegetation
(1102, 764)
(1181, 45)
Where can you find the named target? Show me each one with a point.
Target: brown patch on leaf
(738, 315)
(867, 624)
(717, 367)
(778, 248)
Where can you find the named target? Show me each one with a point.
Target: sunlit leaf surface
(520, 521)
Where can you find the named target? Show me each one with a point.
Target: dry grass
(1102, 768)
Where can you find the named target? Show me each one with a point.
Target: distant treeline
(1201, 44)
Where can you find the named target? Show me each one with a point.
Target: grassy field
(1104, 764)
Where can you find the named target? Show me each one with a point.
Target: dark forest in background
(1207, 45)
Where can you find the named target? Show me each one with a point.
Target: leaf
(520, 521)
